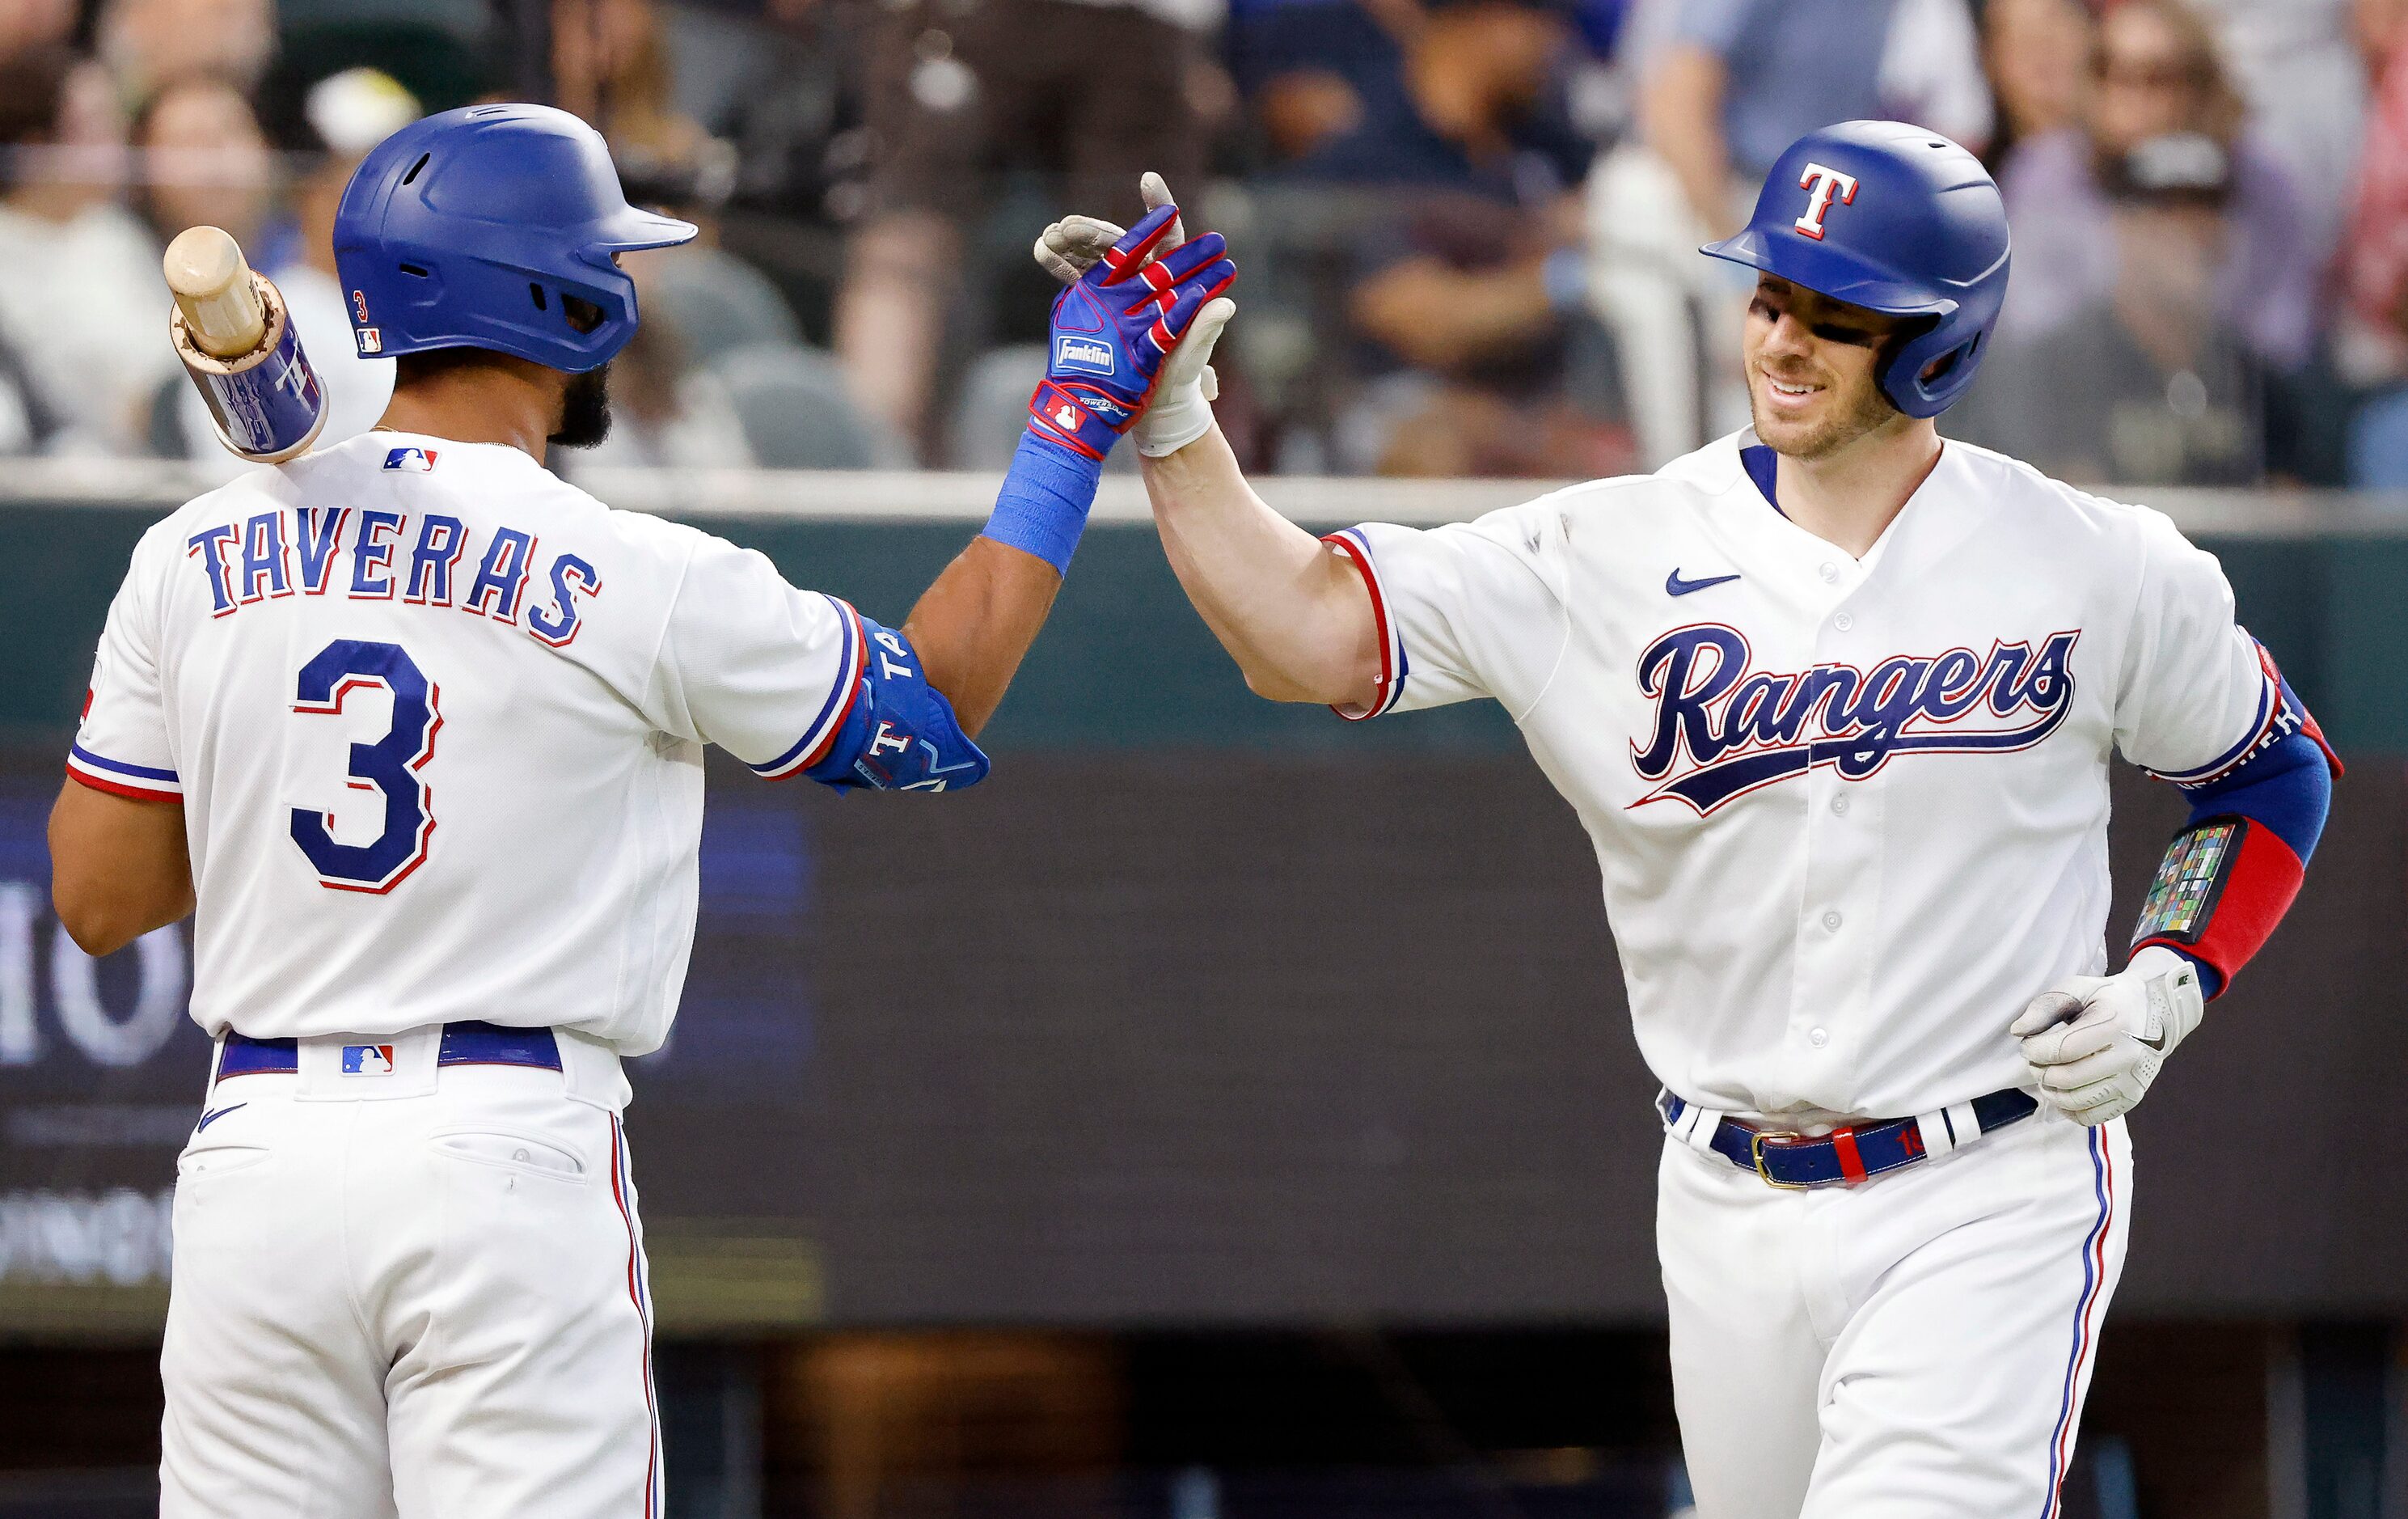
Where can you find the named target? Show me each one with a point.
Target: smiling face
(1810, 363)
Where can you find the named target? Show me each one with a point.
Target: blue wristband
(1042, 507)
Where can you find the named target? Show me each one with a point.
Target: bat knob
(232, 331)
(213, 287)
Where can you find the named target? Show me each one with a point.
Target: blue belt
(1856, 1152)
(463, 1044)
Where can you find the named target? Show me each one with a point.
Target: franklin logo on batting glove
(1092, 354)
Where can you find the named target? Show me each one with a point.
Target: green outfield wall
(1125, 662)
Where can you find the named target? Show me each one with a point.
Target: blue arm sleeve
(2286, 787)
(900, 734)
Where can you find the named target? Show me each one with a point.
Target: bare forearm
(1682, 110)
(1297, 618)
(974, 624)
(119, 868)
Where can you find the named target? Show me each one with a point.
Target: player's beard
(1869, 411)
(585, 410)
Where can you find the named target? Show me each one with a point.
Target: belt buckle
(1758, 1140)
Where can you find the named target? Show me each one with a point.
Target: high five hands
(1177, 411)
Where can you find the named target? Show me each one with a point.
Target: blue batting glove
(1111, 334)
(1113, 329)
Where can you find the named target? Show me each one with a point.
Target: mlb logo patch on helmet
(371, 341)
(367, 1060)
(420, 459)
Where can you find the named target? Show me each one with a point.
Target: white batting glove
(1181, 410)
(2096, 1042)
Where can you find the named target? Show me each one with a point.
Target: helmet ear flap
(1927, 369)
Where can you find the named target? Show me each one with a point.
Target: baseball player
(1835, 699)
(416, 730)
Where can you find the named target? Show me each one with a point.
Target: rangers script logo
(1738, 728)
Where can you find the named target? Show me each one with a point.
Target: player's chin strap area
(1856, 1152)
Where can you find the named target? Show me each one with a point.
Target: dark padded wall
(1184, 1038)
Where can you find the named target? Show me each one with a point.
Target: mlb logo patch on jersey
(420, 459)
(367, 1060)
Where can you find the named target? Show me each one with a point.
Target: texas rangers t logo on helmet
(1823, 184)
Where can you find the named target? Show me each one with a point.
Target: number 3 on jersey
(388, 765)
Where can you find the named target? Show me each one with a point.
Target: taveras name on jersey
(320, 549)
(436, 721)
(1850, 815)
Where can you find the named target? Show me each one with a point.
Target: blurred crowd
(1466, 228)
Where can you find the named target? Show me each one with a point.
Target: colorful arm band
(900, 733)
(2234, 868)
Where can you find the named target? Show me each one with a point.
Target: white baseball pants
(414, 1295)
(1916, 1347)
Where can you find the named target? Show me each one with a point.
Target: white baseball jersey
(1852, 815)
(436, 721)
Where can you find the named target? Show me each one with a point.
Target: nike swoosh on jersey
(210, 1118)
(1675, 585)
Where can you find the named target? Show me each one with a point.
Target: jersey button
(1818, 1037)
(1831, 922)
(1840, 806)
(1844, 622)
(1829, 573)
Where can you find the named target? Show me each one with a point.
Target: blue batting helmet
(1896, 220)
(473, 229)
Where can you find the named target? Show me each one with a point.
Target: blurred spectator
(1098, 90)
(204, 162)
(27, 24)
(2146, 384)
(1724, 86)
(612, 63)
(1449, 125)
(347, 113)
(2294, 63)
(2155, 72)
(2037, 51)
(2373, 339)
(82, 313)
(149, 44)
(1742, 80)
(1503, 367)
(1384, 93)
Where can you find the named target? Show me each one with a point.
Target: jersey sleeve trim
(143, 783)
(2269, 708)
(823, 729)
(1394, 666)
(2280, 714)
